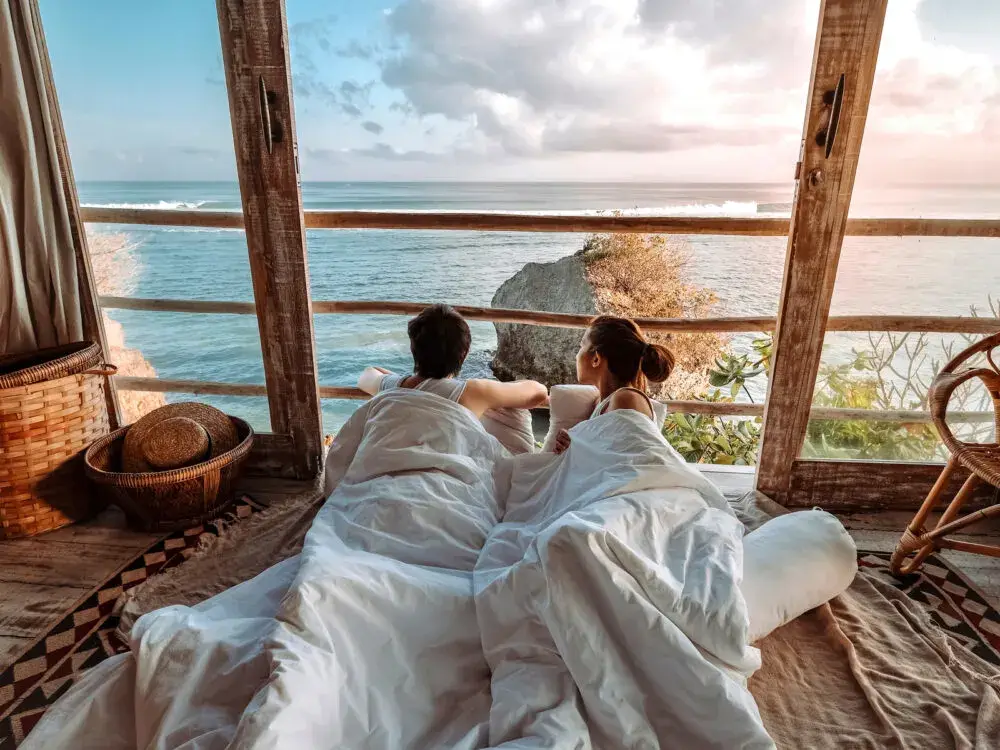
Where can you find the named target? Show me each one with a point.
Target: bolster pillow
(792, 564)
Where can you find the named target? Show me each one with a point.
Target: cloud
(311, 50)
(600, 75)
(315, 31)
(355, 98)
(329, 155)
(923, 86)
(538, 80)
(356, 50)
(202, 152)
(384, 151)
(372, 127)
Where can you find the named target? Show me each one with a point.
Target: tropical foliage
(892, 373)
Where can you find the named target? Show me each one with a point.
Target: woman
(615, 357)
(439, 341)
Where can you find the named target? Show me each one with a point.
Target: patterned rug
(955, 604)
(86, 637)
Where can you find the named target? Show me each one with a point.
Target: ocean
(942, 276)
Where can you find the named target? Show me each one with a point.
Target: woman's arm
(371, 379)
(482, 395)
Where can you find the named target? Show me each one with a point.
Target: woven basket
(52, 406)
(168, 500)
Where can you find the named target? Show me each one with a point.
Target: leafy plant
(702, 438)
(892, 373)
(733, 371)
(860, 384)
(713, 440)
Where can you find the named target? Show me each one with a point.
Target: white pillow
(571, 404)
(792, 564)
(568, 406)
(512, 427)
(659, 413)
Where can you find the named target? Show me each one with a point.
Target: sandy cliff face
(115, 270)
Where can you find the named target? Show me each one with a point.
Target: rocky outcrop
(630, 275)
(543, 353)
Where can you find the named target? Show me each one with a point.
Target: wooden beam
(508, 222)
(512, 222)
(214, 307)
(195, 387)
(914, 323)
(93, 323)
(163, 217)
(752, 324)
(843, 69)
(985, 228)
(712, 408)
(258, 77)
(272, 456)
(871, 485)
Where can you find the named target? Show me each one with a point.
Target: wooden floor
(43, 578)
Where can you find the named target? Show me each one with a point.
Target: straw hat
(177, 435)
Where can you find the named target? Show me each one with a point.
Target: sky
(650, 90)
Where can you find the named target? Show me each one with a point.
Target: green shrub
(892, 373)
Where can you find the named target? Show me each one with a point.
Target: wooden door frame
(255, 56)
(844, 58)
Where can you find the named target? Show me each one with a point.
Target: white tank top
(603, 405)
(449, 388)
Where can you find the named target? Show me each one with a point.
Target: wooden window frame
(256, 60)
(255, 57)
(843, 71)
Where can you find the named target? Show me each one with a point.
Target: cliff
(630, 275)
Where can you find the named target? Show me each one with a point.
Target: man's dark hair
(439, 340)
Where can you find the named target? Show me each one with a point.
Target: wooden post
(255, 56)
(844, 59)
(93, 323)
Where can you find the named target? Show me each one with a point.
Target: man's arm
(371, 379)
(482, 395)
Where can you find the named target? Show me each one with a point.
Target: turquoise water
(880, 275)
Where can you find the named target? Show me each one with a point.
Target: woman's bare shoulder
(628, 398)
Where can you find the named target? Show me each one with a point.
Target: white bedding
(607, 604)
(609, 600)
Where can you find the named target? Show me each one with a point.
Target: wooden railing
(508, 222)
(503, 222)
(711, 408)
(500, 315)
(750, 324)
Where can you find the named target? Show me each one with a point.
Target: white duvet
(609, 601)
(604, 611)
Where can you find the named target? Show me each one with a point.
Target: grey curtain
(39, 289)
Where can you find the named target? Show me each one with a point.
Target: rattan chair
(981, 459)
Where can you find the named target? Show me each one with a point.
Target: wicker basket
(52, 406)
(168, 500)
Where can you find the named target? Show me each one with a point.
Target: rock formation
(631, 275)
(536, 352)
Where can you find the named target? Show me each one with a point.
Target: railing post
(844, 60)
(258, 77)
